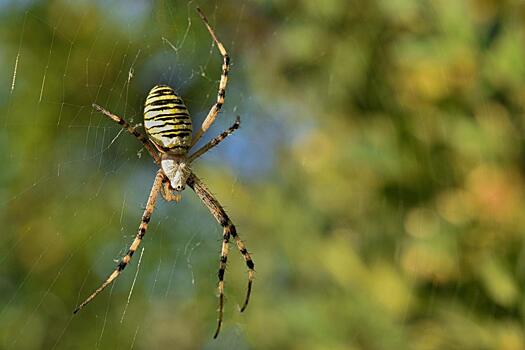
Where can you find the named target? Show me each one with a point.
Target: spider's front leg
(167, 191)
(229, 230)
(150, 206)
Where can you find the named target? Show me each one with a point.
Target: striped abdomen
(167, 121)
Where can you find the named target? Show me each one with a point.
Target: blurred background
(377, 178)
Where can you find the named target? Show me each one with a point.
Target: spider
(168, 140)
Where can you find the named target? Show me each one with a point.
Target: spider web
(379, 164)
(83, 182)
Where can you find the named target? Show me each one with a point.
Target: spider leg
(228, 230)
(150, 206)
(212, 114)
(167, 192)
(131, 130)
(215, 141)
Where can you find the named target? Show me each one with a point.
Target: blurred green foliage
(377, 178)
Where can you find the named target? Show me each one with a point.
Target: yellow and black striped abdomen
(167, 121)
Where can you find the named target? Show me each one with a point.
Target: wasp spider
(168, 140)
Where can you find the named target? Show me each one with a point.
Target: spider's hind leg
(133, 130)
(215, 141)
(223, 82)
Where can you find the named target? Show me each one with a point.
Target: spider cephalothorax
(177, 170)
(168, 140)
